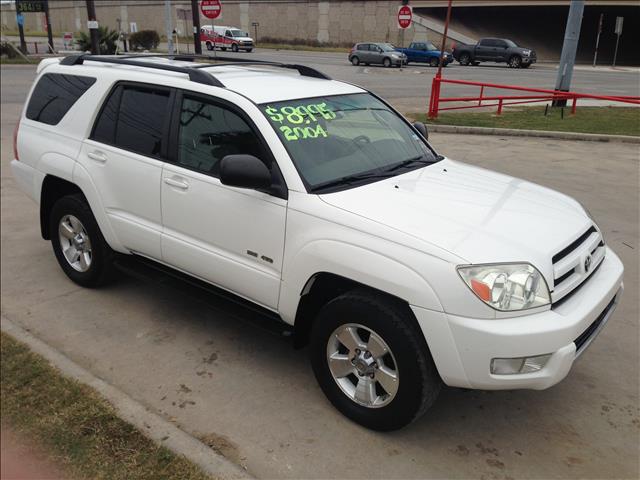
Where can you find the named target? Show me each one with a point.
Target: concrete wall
(337, 22)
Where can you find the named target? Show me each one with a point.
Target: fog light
(512, 366)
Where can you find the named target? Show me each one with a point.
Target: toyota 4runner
(318, 203)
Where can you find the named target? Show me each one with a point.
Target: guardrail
(500, 101)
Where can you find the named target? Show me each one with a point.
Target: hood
(476, 214)
(243, 39)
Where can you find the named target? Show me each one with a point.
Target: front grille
(591, 329)
(575, 263)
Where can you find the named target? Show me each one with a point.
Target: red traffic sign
(211, 8)
(405, 16)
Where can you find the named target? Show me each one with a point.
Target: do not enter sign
(405, 15)
(211, 8)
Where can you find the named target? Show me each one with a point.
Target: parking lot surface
(253, 397)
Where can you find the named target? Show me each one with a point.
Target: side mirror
(244, 171)
(422, 128)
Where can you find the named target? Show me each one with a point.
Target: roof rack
(194, 72)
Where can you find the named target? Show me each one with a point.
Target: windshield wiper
(410, 162)
(348, 180)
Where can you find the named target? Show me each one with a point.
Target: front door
(231, 237)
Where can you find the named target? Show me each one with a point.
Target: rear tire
(78, 244)
(465, 59)
(363, 387)
(209, 46)
(355, 61)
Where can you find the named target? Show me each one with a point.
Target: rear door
(484, 49)
(364, 53)
(124, 157)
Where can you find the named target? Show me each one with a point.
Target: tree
(107, 44)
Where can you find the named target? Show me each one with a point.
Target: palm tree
(107, 43)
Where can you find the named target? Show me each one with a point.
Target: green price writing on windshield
(299, 115)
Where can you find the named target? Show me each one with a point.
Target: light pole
(93, 27)
(569, 48)
(168, 23)
(195, 14)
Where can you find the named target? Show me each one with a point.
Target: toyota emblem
(587, 264)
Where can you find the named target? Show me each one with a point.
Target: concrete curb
(152, 425)
(590, 137)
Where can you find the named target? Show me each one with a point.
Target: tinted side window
(104, 130)
(54, 95)
(133, 118)
(208, 133)
(487, 42)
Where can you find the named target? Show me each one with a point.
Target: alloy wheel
(75, 243)
(363, 365)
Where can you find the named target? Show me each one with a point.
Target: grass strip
(78, 429)
(603, 120)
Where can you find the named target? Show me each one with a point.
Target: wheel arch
(53, 188)
(321, 288)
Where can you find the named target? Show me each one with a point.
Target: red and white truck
(225, 38)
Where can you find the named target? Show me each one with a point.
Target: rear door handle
(182, 185)
(97, 156)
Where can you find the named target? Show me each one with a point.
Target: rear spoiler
(45, 62)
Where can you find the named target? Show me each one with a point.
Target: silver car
(376, 53)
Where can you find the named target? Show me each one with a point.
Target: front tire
(78, 244)
(434, 62)
(249, 50)
(515, 61)
(371, 361)
(386, 62)
(234, 47)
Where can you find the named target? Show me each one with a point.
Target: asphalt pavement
(196, 362)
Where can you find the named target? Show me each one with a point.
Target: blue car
(425, 52)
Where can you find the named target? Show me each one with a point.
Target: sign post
(595, 55)
(211, 9)
(618, 31)
(405, 16)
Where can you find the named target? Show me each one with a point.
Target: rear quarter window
(54, 95)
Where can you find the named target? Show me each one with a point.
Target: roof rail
(195, 75)
(226, 61)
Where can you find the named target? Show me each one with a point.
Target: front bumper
(463, 348)
(528, 60)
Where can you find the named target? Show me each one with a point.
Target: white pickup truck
(317, 202)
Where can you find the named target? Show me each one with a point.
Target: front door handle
(176, 183)
(97, 156)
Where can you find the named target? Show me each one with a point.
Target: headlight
(507, 287)
(526, 53)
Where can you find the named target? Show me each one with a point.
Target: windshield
(386, 47)
(511, 43)
(345, 140)
(239, 33)
(431, 46)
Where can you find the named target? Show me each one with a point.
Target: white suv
(319, 204)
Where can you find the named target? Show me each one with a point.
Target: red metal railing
(535, 95)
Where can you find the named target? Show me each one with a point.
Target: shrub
(108, 41)
(144, 40)
(8, 49)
